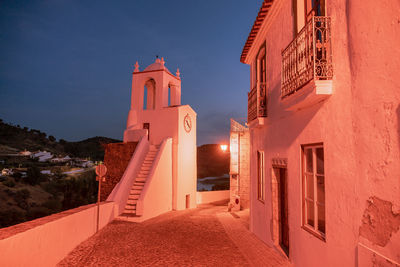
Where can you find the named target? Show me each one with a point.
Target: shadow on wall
(294, 122)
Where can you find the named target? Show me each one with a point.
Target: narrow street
(205, 236)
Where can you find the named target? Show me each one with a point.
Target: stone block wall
(244, 186)
(240, 184)
(116, 159)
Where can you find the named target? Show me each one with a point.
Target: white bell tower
(153, 90)
(156, 113)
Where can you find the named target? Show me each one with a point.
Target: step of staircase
(138, 187)
(145, 168)
(130, 208)
(121, 217)
(131, 202)
(135, 192)
(134, 196)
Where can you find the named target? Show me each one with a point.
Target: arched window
(149, 95)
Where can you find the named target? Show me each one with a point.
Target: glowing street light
(224, 147)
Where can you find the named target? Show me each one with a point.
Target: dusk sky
(66, 66)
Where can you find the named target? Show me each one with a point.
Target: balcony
(257, 103)
(307, 62)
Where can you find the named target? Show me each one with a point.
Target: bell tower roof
(159, 64)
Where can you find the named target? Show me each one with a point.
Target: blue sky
(66, 66)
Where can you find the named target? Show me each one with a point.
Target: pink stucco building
(323, 113)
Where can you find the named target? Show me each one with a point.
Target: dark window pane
(260, 175)
(309, 160)
(320, 160)
(321, 189)
(321, 218)
(310, 213)
(310, 186)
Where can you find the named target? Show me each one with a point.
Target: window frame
(261, 64)
(302, 12)
(261, 176)
(313, 229)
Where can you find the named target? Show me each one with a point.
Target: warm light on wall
(224, 147)
(234, 148)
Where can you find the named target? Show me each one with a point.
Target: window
(261, 65)
(304, 10)
(261, 81)
(313, 176)
(260, 175)
(314, 8)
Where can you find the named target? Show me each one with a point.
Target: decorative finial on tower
(136, 67)
(162, 61)
(178, 74)
(157, 59)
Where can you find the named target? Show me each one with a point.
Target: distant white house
(42, 156)
(6, 172)
(25, 153)
(61, 159)
(86, 163)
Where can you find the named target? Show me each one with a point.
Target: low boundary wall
(46, 241)
(204, 197)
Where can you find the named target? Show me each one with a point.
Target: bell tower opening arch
(149, 94)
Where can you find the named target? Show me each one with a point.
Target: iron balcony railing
(308, 56)
(257, 102)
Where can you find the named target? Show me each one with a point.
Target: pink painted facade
(324, 118)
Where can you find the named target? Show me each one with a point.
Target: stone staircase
(137, 187)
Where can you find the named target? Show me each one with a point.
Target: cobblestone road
(205, 236)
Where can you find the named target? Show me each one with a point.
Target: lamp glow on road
(224, 147)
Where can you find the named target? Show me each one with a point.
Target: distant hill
(15, 137)
(91, 147)
(211, 161)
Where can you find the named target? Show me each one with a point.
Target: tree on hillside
(33, 175)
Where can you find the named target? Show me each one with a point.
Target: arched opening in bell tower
(149, 95)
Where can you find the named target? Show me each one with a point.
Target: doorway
(187, 201)
(146, 125)
(280, 208)
(283, 208)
